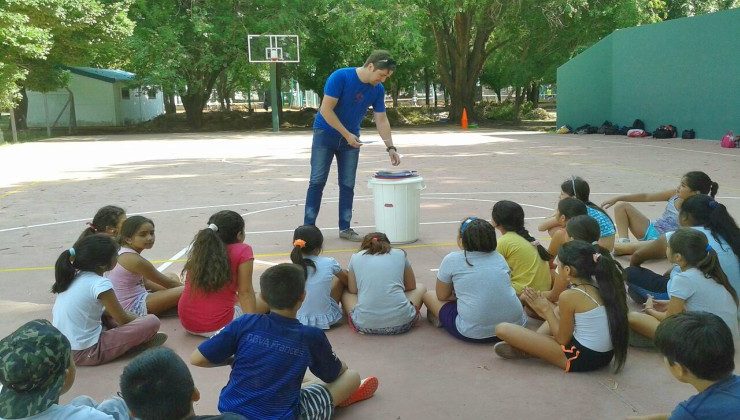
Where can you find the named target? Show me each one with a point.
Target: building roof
(106, 75)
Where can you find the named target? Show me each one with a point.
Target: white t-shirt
(381, 301)
(485, 296)
(727, 259)
(703, 294)
(77, 310)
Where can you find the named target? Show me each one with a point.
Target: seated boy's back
(271, 353)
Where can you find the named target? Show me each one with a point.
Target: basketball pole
(274, 97)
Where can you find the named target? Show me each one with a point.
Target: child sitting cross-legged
(269, 355)
(699, 350)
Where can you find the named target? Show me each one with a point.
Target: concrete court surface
(48, 190)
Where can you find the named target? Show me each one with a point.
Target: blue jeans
(326, 145)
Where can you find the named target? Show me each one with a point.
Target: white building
(101, 97)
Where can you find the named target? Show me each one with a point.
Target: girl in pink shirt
(139, 286)
(218, 283)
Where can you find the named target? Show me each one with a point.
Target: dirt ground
(48, 190)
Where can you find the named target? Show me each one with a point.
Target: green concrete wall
(684, 72)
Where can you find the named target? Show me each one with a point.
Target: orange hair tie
(300, 243)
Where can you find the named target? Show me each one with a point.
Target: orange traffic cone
(464, 119)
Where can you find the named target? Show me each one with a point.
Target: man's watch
(389, 148)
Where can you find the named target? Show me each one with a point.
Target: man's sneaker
(367, 388)
(506, 351)
(350, 235)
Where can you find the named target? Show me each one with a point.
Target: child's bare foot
(367, 388)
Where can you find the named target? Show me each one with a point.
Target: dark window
(151, 94)
(125, 94)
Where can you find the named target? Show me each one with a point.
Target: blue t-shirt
(354, 98)
(719, 401)
(271, 354)
(606, 226)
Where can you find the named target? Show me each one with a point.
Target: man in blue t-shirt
(699, 350)
(269, 355)
(348, 94)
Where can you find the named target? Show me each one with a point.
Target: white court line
(357, 197)
(265, 262)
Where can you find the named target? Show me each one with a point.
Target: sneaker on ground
(350, 235)
(433, 319)
(367, 388)
(156, 341)
(506, 351)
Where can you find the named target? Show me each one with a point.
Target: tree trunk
(518, 100)
(426, 85)
(533, 95)
(21, 111)
(498, 94)
(434, 88)
(196, 96)
(446, 96)
(170, 108)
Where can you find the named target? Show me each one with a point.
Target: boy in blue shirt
(269, 355)
(336, 132)
(699, 350)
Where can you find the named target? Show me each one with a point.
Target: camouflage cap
(33, 360)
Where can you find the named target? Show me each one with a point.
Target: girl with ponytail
(218, 277)
(527, 258)
(108, 220)
(325, 279)
(382, 296)
(700, 285)
(704, 214)
(630, 219)
(84, 296)
(590, 329)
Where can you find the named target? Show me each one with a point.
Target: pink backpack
(728, 140)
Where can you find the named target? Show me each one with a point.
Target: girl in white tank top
(590, 328)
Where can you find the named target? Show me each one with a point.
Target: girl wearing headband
(629, 219)
(84, 296)
(325, 279)
(589, 329)
(578, 188)
(218, 277)
(473, 292)
(699, 285)
(382, 296)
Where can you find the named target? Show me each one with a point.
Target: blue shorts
(651, 233)
(447, 317)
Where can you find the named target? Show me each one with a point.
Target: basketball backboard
(273, 48)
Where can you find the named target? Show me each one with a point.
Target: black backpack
(688, 134)
(606, 126)
(665, 132)
(638, 124)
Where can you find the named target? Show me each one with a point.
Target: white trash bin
(397, 207)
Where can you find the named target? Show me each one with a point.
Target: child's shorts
(400, 329)
(138, 305)
(583, 359)
(316, 403)
(651, 233)
(447, 316)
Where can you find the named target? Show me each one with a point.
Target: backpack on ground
(638, 124)
(665, 132)
(585, 129)
(636, 132)
(688, 134)
(604, 127)
(729, 141)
